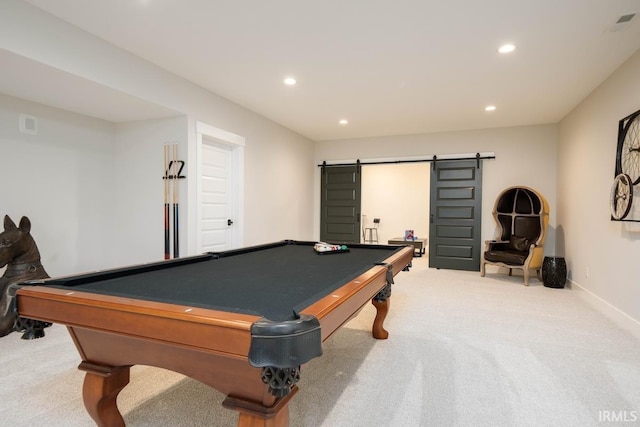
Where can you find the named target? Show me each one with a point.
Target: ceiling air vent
(622, 22)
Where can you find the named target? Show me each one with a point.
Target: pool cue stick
(167, 245)
(176, 224)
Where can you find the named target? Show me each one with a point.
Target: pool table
(241, 321)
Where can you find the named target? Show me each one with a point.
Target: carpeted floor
(463, 351)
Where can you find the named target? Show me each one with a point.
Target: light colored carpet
(463, 351)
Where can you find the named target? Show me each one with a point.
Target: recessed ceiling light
(344, 122)
(290, 81)
(506, 48)
(490, 108)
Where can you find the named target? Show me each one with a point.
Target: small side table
(554, 272)
(419, 245)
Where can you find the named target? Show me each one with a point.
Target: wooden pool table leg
(381, 303)
(382, 308)
(100, 390)
(256, 415)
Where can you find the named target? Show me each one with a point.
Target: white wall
(524, 156)
(279, 175)
(92, 189)
(603, 256)
(398, 194)
(63, 180)
(279, 167)
(139, 198)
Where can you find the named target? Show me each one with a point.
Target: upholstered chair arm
(536, 256)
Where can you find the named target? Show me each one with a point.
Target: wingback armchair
(522, 215)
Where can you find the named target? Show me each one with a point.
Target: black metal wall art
(624, 206)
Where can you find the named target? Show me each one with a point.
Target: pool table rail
(344, 304)
(207, 329)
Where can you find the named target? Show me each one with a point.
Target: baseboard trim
(618, 316)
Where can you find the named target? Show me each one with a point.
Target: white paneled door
(215, 188)
(218, 190)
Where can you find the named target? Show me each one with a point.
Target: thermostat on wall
(28, 124)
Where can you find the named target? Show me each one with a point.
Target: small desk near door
(419, 245)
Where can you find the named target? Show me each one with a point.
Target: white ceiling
(388, 66)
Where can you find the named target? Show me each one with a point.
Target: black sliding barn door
(340, 204)
(455, 209)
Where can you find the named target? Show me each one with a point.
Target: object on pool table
(323, 248)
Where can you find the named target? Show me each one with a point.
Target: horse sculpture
(18, 251)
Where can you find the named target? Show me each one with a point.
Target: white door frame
(236, 144)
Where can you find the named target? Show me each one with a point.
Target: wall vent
(28, 124)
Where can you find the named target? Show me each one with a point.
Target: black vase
(554, 272)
